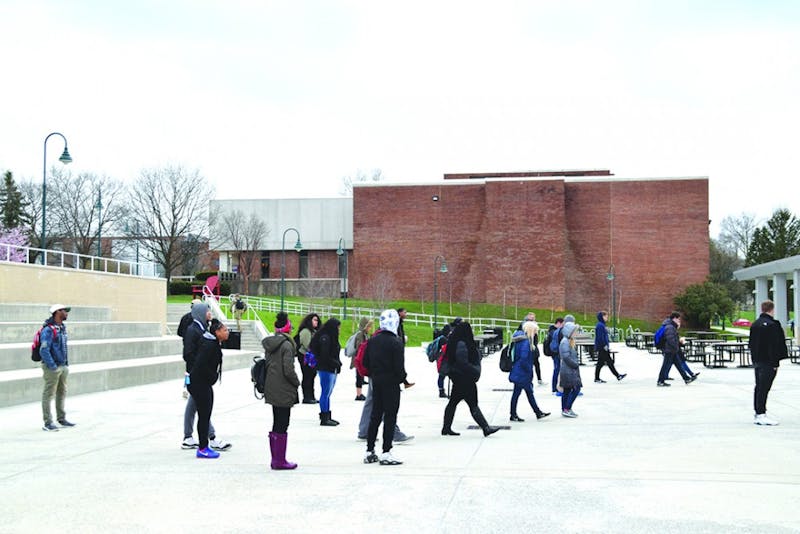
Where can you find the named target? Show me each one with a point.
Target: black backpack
(548, 340)
(258, 373)
(37, 342)
(507, 358)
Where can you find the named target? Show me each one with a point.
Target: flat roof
(782, 266)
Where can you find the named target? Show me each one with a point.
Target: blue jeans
(556, 369)
(518, 389)
(327, 380)
(569, 397)
(440, 382)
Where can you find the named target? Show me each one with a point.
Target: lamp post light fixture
(436, 270)
(611, 277)
(342, 252)
(298, 247)
(65, 159)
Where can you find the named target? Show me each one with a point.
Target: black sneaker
(669, 378)
(64, 422)
(370, 457)
(623, 375)
(663, 384)
(50, 427)
(599, 381)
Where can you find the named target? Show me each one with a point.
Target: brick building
(545, 239)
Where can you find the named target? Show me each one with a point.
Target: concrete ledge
(24, 311)
(20, 386)
(22, 332)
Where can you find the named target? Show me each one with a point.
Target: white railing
(71, 260)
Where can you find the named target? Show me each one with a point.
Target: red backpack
(358, 359)
(37, 342)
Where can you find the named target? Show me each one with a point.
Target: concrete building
(782, 274)
(546, 239)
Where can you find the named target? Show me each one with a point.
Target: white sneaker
(764, 419)
(386, 458)
(219, 444)
(189, 443)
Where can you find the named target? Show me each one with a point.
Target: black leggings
(280, 419)
(309, 374)
(385, 404)
(465, 390)
(359, 380)
(203, 396)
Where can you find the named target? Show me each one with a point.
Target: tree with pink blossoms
(13, 243)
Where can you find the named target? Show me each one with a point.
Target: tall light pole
(611, 277)
(99, 221)
(298, 247)
(65, 159)
(341, 251)
(436, 270)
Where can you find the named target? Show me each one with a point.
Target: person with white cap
(55, 366)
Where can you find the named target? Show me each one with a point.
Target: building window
(303, 267)
(265, 265)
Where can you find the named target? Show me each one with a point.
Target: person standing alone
(601, 346)
(55, 366)
(767, 348)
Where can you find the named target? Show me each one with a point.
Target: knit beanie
(282, 323)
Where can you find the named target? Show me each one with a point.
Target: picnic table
(485, 343)
(727, 352)
(643, 339)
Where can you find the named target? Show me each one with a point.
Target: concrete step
(22, 332)
(25, 385)
(176, 311)
(17, 356)
(40, 312)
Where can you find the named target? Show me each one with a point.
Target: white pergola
(779, 271)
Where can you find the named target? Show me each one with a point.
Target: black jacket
(208, 364)
(672, 341)
(186, 320)
(466, 364)
(767, 341)
(191, 344)
(384, 358)
(326, 348)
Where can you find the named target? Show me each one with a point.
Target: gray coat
(570, 374)
(282, 383)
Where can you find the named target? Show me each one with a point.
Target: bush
(202, 276)
(701, 302)
(180, 287)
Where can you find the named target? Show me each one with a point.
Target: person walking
(308, 327)
(601, 347)
(569, 374)
(550, 341)
(521, 374)
(207, 369)
(325, 346)
(280, 388)
(386, 363)
(364, 329)
(767, 348)
(531, 317)
(464, 370)
(55, 367)
(238, 307)
(672, 347)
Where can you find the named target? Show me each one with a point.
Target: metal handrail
(71, 260)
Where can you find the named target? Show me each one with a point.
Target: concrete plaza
(637, 459)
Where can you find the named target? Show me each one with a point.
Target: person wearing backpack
(238, 307)
(364, 329)
(325, 346)
(280, 388)
(55, 366)
(671, 350)
(386, 363)
(521, 374)
(206, 370)
(531, 317)
(601, 347)
(302, 339)
(550, 347)
(570, 374)
(438, 343)
(464, 368)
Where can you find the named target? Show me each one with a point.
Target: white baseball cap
(55, 307)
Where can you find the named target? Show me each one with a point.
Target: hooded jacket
(385, 359)
(767, 341)
(194, 332)
(672, 342)
(600, 333)
(361, 336)
(522, 370)
(207, 365)
(53, 351)
(325, 346)
(281, 385)
(570, 374)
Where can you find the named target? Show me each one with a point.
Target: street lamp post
(99, 221)
(341, 251)
(65, 158)
(436, 270)
(611, 277)
(298, 247)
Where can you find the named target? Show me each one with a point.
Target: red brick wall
(547, 243)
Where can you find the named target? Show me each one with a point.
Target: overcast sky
(283, 99)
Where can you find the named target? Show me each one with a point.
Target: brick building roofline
(479, 181)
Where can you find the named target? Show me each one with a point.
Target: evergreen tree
(779, 238)
(12, 204)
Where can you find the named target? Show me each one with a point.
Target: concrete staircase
(251, 339)
(103, 354)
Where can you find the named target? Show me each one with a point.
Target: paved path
(683, 459)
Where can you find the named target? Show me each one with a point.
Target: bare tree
(470, 288)
(375, 175)
(85, 206)
(245, 235)
(736, 233)
(169, 204)
(381, 284)
(32, 193)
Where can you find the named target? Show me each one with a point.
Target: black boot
(447, 426)
(442, 394)
(325, 419)
(334, 421)
(481, 420)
